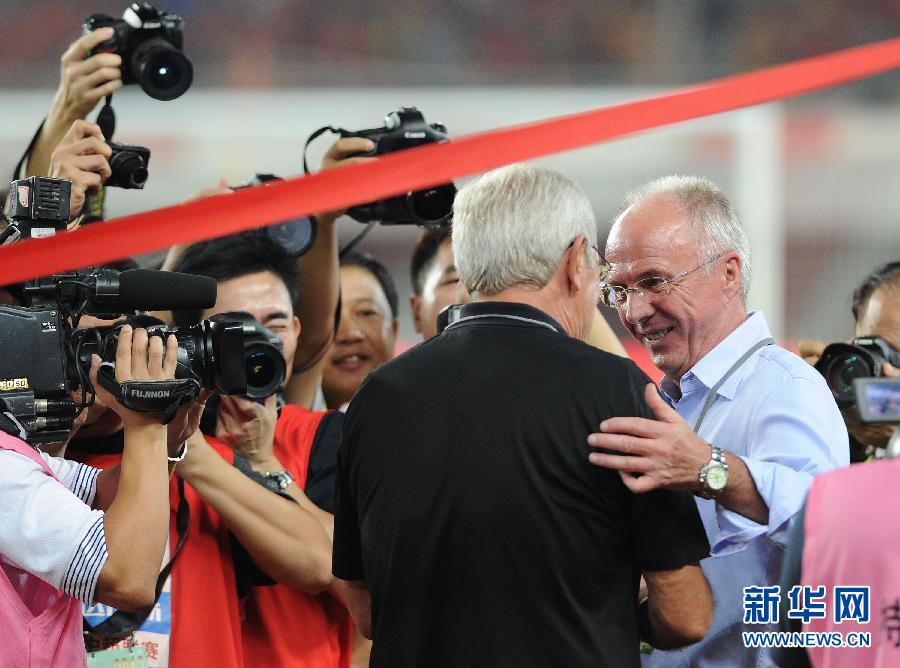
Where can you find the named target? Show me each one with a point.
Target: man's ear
(733, 271)
(297, 328)
(573, 262)
(414, 304)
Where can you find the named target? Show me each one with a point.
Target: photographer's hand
(249, 429)
(186, 423)
(138, 358)
(320, 284)
(344, 152)
(82, 158)
(84, 81)
(136, 493)
(810, 350)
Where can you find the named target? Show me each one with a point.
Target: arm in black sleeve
(320, 479)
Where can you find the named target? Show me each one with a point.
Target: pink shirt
(852, 538)
(39, 624)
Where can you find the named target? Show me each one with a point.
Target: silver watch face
(716, 477)
(282, 478)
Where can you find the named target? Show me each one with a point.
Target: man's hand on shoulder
(651, 454)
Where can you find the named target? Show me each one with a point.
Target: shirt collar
(729, 350)
(515, 309)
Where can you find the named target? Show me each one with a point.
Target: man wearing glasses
(742, 423)
(470, 528)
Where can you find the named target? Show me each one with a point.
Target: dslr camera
(293, 237)
(150, 43)
(863, 357)
(404, 128)
(128, 165)
(264, 367)
(38, 207)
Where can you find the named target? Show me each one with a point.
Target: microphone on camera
(109, 292)
(149, 290)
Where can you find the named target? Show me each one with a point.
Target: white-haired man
(470, 528)
(752, 423)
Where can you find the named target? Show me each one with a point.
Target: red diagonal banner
(432, 164)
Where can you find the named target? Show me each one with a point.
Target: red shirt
(206, 624)
(284, 626)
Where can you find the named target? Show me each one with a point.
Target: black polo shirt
(466, 501)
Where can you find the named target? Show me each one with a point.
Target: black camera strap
(93, 209)
(315, 135)
(106, 119)
(122, 624)
(343, 133)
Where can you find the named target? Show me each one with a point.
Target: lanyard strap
(711, 396)
(519, 318)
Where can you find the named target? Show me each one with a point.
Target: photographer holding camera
(70, 533)
(876, 313)
(84, 80)
(82, 157)
(840, 537)
(143, 47)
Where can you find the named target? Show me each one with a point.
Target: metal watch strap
(283, 479)
(716, 457)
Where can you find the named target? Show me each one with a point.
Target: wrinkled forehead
(651, 237)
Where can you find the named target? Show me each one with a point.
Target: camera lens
(128, 170)
(265, 370)
(163, 71)
(434, 205)
(294, 237)
(840, 375)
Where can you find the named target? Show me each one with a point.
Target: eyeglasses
(615, 296)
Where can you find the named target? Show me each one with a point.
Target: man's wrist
(179, 454)
(713, 476)
(264, 466)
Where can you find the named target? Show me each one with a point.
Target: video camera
(404, 128)
(150, 43)
(863, 357)
(46, 357)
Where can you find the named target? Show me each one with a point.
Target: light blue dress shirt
(777, 414)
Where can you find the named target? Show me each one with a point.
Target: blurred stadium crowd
(422, 42)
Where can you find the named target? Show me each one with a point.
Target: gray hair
(512, 226)
(714, 221)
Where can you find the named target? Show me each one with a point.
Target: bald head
(685, 282)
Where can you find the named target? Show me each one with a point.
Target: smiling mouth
(350, 362)
(655, 337)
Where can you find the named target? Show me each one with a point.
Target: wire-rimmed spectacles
(615, 296)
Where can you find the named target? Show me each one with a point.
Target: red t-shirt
(206, 623)
(284, 626)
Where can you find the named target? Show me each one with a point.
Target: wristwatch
(282, 479)
(714, 475)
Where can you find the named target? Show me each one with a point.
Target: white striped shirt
(48, 529)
